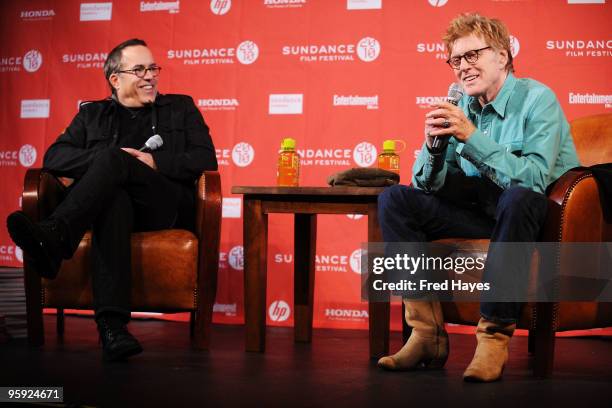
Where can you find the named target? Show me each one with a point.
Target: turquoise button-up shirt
(522, 139)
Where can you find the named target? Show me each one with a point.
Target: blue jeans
(407, 214)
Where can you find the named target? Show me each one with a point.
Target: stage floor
(332, 371)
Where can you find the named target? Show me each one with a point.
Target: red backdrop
(339, 76)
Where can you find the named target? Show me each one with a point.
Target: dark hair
(113, 61)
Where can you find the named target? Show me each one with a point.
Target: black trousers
(516, 215)
(117, 195)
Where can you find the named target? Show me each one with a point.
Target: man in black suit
(119, 189)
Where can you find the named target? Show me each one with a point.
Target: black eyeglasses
(471, 57)
(141, 71)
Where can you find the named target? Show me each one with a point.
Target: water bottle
(288, 172)
(389, 159)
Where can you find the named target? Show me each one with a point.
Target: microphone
(153, 143)
(455, 93)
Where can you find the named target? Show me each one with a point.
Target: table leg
(255, 271)
(305, 244)
(379, 311)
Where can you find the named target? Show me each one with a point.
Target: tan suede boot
(428, 343)
(491, 353)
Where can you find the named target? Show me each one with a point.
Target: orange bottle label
(288, 169)
(389, 161)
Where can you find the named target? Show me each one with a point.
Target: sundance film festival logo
(225, 104)
(246, 53)
(355, 261)
(364, 154)
(171, 7)
(11, 253)
(25, 156)
(367, 50)
(370, 102)
(37, 15)
(590, 99)
(220, 7)
(324, 263)
(284, 3)
(581, 48)
(235, 258)
(279, 311)
(85, 60)
(243, 154)
(32, 61)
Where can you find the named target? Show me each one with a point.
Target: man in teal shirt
(482, 173)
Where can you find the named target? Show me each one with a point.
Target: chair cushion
(164, 274)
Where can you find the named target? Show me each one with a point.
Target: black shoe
(117, 342)
(40, 242)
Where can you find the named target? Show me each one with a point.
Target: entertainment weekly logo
(279, 311)
(363, 154)
(172, 7)
(37, 15)
(25, 156)
(245, 53)
(241, 155)
(218, 104)
(329, 263)
(228, 309)
(576, 98)
(370, 102)
(96, 11)
(220, 7)
(284, 3)
(581, 48)
(30, 62)
(367, 50)
(10, 253)
(85, 60)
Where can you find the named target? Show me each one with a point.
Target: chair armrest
(42, 193)
(208, 210)
(574, 210)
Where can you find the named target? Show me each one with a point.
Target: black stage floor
(332, 371)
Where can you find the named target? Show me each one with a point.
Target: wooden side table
(305, 203)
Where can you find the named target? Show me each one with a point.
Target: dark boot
(117, 342)
(44, 243)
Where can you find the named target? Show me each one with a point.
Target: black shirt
(134, 126)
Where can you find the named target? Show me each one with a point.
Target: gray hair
(113, 60)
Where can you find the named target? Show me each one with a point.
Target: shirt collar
(501, 100)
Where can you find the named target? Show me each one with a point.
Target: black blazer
(187, 150)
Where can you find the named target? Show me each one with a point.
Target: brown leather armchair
(574, 215)
(172, 270)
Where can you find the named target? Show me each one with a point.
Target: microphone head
(455, 93)
(154, 142)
